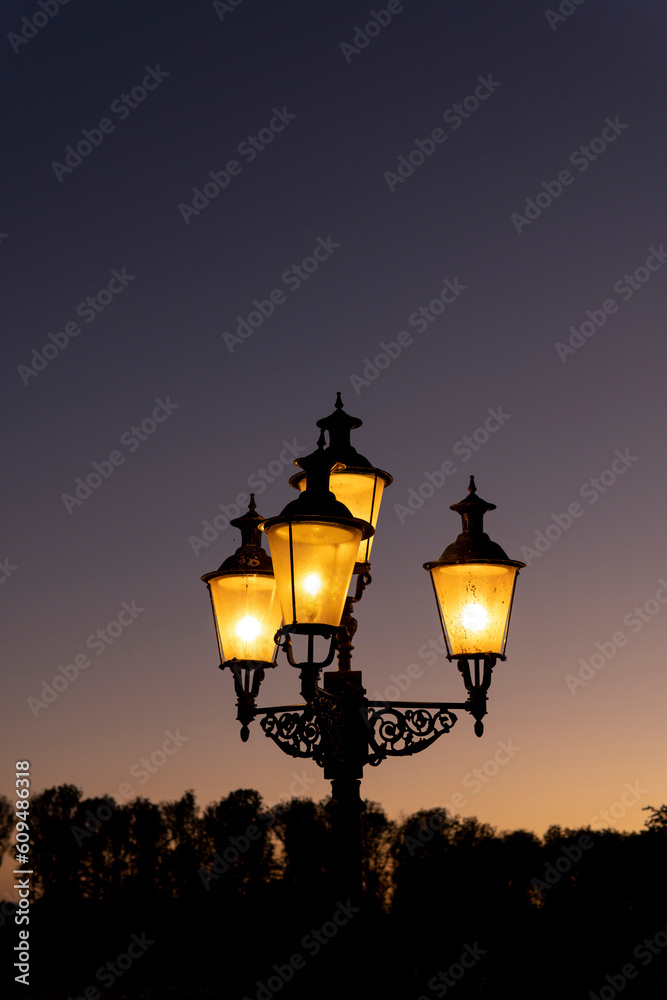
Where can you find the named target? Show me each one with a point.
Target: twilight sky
(500, 162)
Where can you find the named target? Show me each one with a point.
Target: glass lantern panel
(247, 613)
(475, 601)
(321, 558)
(361, 493)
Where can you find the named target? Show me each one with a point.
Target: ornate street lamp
(246, 612)
(317, 543)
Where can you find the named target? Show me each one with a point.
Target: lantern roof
(250, 557)
(339, 425)
(317, 500)
(473, 545)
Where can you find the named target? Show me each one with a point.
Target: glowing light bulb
(474, 617)
(248, 628)
(312, 584)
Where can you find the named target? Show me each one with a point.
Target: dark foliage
(228, 892)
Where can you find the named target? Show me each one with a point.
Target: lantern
(314, 544)
(358, 485)
(245, 604)
(474, 585)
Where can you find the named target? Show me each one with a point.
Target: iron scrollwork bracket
(304, 730)
(295, 729)
(394, 732)
(325, 731)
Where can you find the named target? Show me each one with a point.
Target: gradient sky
(224, 75)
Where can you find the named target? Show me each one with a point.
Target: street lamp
(318, 542)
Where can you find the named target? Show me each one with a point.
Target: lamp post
(318, 543)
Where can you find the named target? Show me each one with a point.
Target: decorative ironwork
(296, 731)
(348, 624)
(477, 682)
(396, 733)
(283, 640)
(248, 676)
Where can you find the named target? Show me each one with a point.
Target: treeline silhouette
(228, 891)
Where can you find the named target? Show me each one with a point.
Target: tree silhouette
(240, 852)
(658, 818)
(145, 857)
(301, 829)
(377, 836)
(185, 840)
(55, 853)
(434, 882)
(100, 831)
